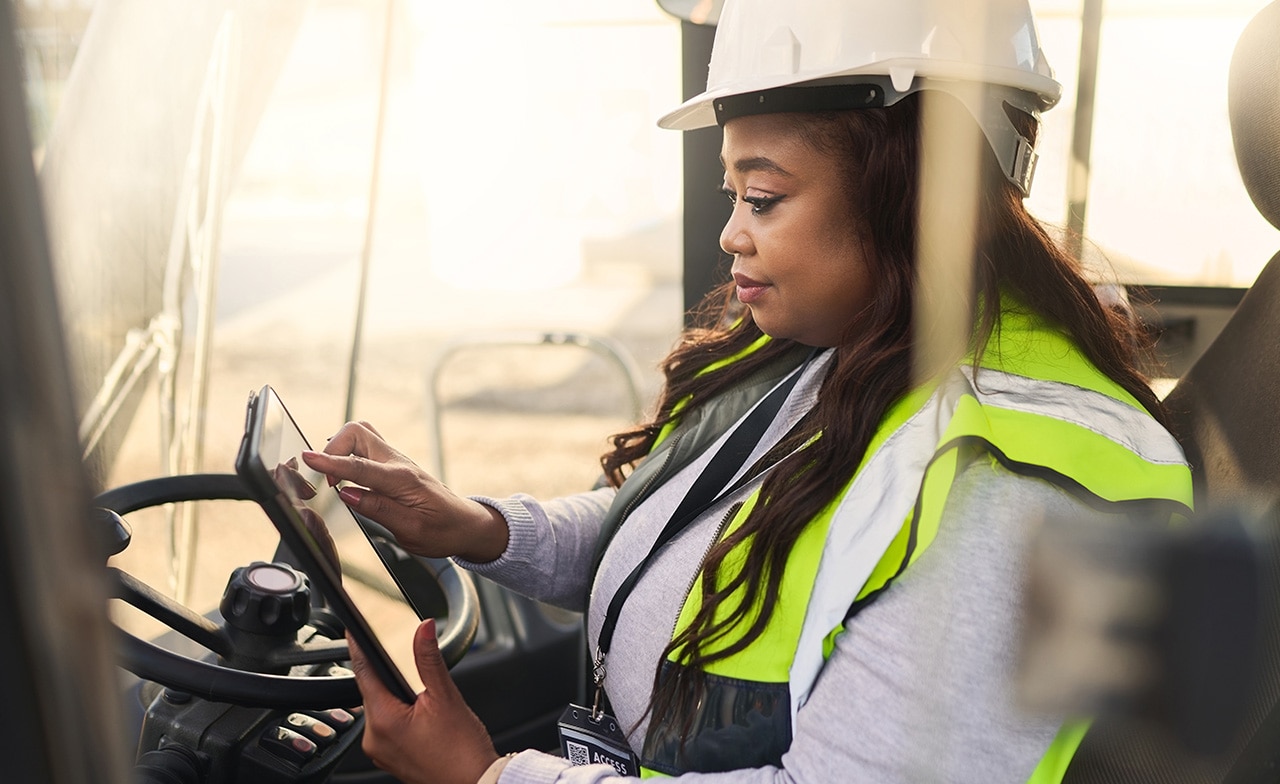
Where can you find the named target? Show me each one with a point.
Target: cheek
(846, 290)
(849, 271)
(856, 288)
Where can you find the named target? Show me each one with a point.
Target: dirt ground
(513, 417)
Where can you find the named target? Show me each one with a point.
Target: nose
(735, 239)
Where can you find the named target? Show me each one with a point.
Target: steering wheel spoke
(179, 617)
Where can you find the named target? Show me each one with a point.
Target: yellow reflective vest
(1035, 405)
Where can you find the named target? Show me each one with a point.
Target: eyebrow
(757, 164)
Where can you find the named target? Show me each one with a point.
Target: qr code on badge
(577, 753)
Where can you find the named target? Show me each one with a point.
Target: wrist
(487, 536)
(491, 774)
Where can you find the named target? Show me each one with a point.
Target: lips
(749, 289)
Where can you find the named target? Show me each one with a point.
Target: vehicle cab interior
(328, 197)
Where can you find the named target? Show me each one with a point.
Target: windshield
(1165, 201)
(216, 184)
(470, 206)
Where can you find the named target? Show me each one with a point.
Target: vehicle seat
(1225, 404)
(1225, 412)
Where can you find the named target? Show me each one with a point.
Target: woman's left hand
(437, 738)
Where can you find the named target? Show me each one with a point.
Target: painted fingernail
(351, 495)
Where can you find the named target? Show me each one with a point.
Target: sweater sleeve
(550, 546)
(920, 687)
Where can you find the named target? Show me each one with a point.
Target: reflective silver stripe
(873, 510)
(1129, 427)
(868, 518)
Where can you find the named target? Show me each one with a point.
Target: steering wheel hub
(269, 599)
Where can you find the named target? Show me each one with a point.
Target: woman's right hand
(426, 517)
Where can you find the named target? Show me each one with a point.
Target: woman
(807, 566)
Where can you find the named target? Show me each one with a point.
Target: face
(798, 259)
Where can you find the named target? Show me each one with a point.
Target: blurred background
(374, 205)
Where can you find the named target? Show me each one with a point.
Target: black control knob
(172, 764)
(270, 599)
(112, 529)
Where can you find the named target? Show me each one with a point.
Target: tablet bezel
(252, 468)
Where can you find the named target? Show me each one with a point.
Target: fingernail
(351, 495)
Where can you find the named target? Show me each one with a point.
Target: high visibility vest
(1036, 406)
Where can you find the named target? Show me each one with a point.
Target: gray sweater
(918, 688)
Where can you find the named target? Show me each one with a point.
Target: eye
(759, 204)
(762, 204)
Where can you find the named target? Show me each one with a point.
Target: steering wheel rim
(218, 683)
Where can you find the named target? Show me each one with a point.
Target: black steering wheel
(219, 683)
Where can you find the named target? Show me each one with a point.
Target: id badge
(587, 741)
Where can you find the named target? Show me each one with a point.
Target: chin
(796, 336)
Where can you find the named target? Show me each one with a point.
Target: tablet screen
(323, 522)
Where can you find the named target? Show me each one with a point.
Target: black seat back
(1226, 413)
(1225, 406)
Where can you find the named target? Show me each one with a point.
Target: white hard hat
(886, 49)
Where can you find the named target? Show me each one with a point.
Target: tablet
(346, 561)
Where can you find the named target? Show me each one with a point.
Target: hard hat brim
(699, 111)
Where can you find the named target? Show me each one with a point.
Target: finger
(382, 710)
(426, 655)
(373, 691)
(343, 468)
(325, 464)
(359, 438)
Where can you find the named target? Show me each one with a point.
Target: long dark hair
(879, 154)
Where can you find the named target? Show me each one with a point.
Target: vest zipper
(654, 477)
(724, 522)
(631, 505)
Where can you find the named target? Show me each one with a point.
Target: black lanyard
(705, 493)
